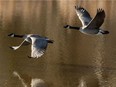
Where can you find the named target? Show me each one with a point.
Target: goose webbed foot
(50, 41)
(29, 57)
(105, 32)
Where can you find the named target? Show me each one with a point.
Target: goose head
(14, 35)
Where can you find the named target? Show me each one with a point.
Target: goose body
(38, 44)
(89, 26)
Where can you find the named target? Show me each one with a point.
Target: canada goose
(38, 43)
(35, 82)
(89, 26)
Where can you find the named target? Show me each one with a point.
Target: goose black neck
(20, 36)
(76, 28)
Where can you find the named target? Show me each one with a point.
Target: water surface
(74, 60)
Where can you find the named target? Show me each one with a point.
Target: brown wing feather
(98, 20)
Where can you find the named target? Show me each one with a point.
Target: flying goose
(38, 43)
(89, 26)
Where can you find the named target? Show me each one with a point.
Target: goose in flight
(89, 26)
(38, 43)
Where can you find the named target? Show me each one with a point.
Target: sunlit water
(74, 60)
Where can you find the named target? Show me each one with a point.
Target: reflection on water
(99, 61)
(74, 60)
(35, 82)
(82, 83)
(21, 79)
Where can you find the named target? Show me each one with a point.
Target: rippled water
(74, 60)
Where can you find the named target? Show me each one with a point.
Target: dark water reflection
(74, 60)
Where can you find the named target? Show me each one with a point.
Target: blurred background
(74, 60)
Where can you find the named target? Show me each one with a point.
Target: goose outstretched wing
(97, 21)
(38, 47)
(83, 15)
